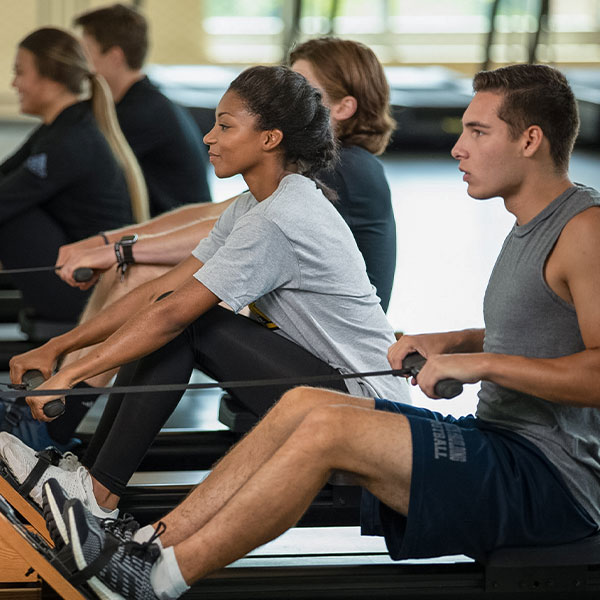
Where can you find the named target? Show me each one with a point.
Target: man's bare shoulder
(582, 233)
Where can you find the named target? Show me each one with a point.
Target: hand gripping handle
(444, 388)
(33, 379)
(83, 274)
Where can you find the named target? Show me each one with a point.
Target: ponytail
(60, 57)
(106, 116)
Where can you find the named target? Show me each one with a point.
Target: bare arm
(150, 328)
(105, 323)
(166, 248)
(100, 256)
(428, 344)
(173, 219)
(573, 272)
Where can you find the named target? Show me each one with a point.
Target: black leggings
(32, 239)
(223, 345)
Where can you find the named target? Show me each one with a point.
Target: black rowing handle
(33, 379)
(83, 274)
(444, 388)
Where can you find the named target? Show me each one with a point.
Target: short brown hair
(536, 95)
(118, 25)
(348, 68)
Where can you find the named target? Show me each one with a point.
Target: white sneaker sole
(57, 517)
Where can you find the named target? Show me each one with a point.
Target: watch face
(129, 239)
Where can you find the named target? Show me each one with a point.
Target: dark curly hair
(282, 99)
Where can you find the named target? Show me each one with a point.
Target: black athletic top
(168, 146)
(68, 169)
(365, 203)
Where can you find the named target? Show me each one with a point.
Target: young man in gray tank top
(537, 358)
(437, 485)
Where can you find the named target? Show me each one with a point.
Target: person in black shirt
(65, 182)
(162, 135)
(355, 89)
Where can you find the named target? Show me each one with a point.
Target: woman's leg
(226, 346)
(233, 347)
(133, 420)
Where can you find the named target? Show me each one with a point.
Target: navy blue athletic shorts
(474, 488)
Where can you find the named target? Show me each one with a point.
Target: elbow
(172, 317)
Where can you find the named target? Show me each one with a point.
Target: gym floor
(447, 244)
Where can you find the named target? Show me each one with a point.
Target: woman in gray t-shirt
(282, 249)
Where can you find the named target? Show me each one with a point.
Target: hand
(36, 403)
(426, 345)
(43, 359)
(99, 259)
(466, 368)
(66, 252)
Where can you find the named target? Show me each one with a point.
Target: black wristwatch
(124, 252)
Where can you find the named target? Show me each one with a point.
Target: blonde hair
(106, 116)
(60, 57)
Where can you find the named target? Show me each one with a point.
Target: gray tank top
(523, 316)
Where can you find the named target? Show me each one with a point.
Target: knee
(300, 399)
(326, 427)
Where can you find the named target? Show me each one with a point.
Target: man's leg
(248, 456)
(375, 446)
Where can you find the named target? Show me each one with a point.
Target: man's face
(101, 61)
(492, 162)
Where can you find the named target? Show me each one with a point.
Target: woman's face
(234, 141)
(32, 88)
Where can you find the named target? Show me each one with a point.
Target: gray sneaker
(112, 568)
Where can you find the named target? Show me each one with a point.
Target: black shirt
(68, 169)
(168, 146)
(364, 201)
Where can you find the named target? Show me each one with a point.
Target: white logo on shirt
(37, 164)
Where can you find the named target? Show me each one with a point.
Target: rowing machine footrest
(582, 552)
(38, 329)
(235, 415)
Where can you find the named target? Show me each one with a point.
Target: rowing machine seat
(235, 415)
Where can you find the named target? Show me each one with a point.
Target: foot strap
(47, 457)
(111, 545)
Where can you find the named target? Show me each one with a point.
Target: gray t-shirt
(294, 257)
(524, 317)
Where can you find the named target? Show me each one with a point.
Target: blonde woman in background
(75, 176)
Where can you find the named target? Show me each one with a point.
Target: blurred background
(447, 242)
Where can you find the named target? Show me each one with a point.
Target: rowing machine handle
(444, 388)
(83, 274)
(33, 379)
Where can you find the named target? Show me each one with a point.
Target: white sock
(143, 534)
(166, 578)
